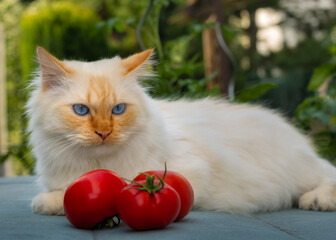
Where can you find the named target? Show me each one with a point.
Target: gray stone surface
(18, 222)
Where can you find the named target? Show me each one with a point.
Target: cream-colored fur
(238, 158)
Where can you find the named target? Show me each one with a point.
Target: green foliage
(322, 73)
(118, 28)
(318, 108)
(18, 152)
(317, 114)
(254, 92)
(119, 18)
(63, 28)
(180, 72)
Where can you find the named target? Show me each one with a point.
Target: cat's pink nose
(103, 134)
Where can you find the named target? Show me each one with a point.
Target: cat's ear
(53, 70)
(137, 61)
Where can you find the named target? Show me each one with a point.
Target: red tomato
(92, 198)
(142, 210)
(180, 184)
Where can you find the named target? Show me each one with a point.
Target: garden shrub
(64, 29)
(67, 31)
(317, 114)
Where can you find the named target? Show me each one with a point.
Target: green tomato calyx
(150, 185)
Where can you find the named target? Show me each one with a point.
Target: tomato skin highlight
(92, 198)
(141, 210)
(180, 184)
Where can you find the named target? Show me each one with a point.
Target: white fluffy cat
(238, 158)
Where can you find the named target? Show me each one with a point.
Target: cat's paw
(319, 199)
(49, 203)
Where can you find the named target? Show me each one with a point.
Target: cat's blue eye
(80, 109)
(119, 109)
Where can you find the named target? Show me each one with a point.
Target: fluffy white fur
(238, 158)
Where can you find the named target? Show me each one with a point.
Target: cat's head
(90, 103)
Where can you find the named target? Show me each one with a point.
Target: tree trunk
(252, 32)
(215, 59)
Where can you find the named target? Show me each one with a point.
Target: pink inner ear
(53, 70)
(136, 60)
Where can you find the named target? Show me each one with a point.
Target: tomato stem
(165, 171)
(149, 186)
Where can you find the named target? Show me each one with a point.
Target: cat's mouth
(105, 142)
(95, 141)
(101, 143)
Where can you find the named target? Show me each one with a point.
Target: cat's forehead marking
(100, 90)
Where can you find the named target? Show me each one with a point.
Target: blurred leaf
(4, 157)
(332, 50)
(321, 73)
(322, 116)
(228, 33)
(307, 103)
(332, 123)
(254, 92)
(178, 48)
(130, 21)
(330, 105)
(113, 24)
(119, 26)
(198, 28)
